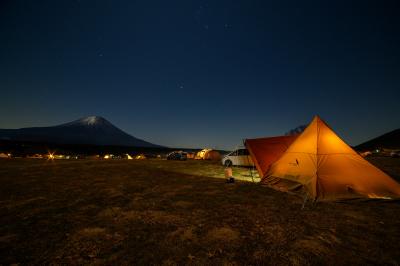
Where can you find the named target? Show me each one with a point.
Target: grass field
(166, 212)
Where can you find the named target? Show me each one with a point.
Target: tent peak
(318, 118)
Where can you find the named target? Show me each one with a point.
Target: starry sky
(202, 73)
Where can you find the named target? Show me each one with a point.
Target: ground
(165, 212)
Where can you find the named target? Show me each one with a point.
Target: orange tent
(324, 167)
(266, 151)
(208, 154)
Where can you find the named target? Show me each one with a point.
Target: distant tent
(200, 154)
(140, 157)
(3, 155)
(208, 154)
(324, 167)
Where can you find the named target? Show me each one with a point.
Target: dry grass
(170, 213)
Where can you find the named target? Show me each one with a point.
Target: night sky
(202, 73)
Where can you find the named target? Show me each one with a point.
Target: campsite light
(50, 156)
(375, 196)
(140, 157)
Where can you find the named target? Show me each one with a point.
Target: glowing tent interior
(208, 154)
(321, 165)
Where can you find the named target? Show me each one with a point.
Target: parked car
(395, 154)
(177, 155)
(238, 157)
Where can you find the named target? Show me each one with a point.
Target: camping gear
(228, 175)
(228, 172)
(321, 165)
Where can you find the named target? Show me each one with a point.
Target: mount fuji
(91, 130)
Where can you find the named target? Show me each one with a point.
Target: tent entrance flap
(266, 151)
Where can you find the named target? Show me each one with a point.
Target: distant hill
(389, 140)
(92, 130)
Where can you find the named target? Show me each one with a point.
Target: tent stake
(304, 201)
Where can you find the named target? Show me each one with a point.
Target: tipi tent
(322, 165)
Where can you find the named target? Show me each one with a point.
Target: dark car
(177, 155)
(395, 154)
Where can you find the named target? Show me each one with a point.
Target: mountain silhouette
(390, 140)
(91, 130)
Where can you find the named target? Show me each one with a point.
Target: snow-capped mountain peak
(92, 120)
(89, 121)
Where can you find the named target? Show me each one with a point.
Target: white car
(238, 157)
